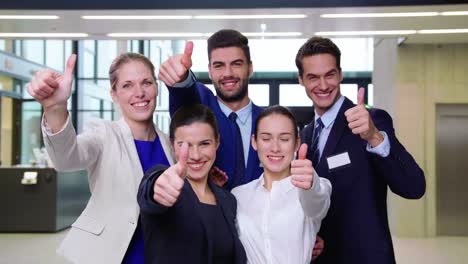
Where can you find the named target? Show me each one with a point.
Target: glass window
(30, 130)
(260, 94)
(106, 53)
(33, 50)
(350, 90)
(2, 44)
(87, 63)
(356, 54)
(54, 54)
(370, 94)
(293, 95)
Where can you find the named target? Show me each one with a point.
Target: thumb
(69, 68)
(360, 96)
(181, 166)
(302, 152)
(187, 56)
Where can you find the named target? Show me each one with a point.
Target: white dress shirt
(280, 226)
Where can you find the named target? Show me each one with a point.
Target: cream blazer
(107, 150)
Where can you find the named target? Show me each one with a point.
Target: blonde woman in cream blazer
(104, 230)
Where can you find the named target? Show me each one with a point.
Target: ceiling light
(443, 31)
(27, 17)
(455, 13)
(272, 34)
(366, 33)
(43, 35)
(363, 15)
(251, 16)
(156, 35)
(134, 17)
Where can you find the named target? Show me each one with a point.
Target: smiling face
(135, 92)
(202, 148)
(276, 143)
(230, 70)
(321, 79)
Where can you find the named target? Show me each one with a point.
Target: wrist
(375, 139)
(56, 108)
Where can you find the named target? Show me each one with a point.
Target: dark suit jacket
(199, 93)
(177, 234)
(356, 229)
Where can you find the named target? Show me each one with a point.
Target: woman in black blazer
(185, 217)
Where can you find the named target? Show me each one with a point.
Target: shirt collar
(285, 184)
(330, 115)
(242, 114)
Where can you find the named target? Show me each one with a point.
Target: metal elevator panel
(452, 169)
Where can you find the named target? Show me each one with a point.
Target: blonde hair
(125, 58)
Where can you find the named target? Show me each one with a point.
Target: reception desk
(36, 199)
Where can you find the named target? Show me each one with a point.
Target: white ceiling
(71, 21)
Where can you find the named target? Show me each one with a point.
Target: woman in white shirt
(279, 214)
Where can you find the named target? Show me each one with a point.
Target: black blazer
(177, 234)
(356, 229)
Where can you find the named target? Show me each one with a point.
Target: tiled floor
(40, 249)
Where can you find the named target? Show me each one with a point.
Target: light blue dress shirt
(328, 119)
(244, 116)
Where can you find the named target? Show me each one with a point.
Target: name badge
(338, 160)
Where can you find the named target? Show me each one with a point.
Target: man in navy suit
(357, 150)
(229, 68)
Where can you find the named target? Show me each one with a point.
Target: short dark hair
(226, 38)
(317, 45)
(189, 114)
(277, 110)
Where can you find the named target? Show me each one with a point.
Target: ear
(209, 71)
(113, 96)
(341, 75)
(298, 144)
(250, 69)
(299, 78)
(254, 142)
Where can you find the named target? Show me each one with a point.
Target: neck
(269, 177)
(237, 105)
(202, 190)
(142, 130)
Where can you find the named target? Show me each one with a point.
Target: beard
(238, 96)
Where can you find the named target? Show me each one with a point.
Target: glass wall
(91, 92)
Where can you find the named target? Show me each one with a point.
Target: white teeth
(141, 104)
(196, 166)
(275, 158)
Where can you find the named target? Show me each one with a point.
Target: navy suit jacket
(199, 93)
(177, 234)
(356, 228)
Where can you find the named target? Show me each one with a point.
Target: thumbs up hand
(52, 89)
(302, 172)
(168, 186)
(360, 122)
(175, 69)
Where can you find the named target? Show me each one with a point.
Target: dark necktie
(239, 169)
(315, 138)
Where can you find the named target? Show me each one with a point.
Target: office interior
(412, 60)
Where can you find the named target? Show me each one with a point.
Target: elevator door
(452, 169)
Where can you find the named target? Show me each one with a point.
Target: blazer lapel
(197, 210)
(223, 203)
(127, 138)
(334, 137)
